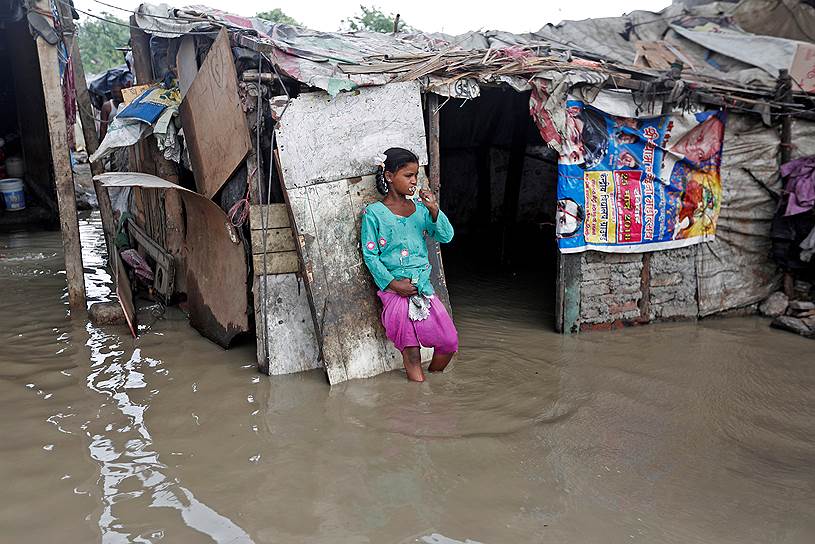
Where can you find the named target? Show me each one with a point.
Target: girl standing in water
(394, 249)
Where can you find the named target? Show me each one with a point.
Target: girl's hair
(395, 158)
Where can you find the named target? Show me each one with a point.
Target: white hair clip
(380, 159)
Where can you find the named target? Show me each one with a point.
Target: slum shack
(633, 161)
(37, 115)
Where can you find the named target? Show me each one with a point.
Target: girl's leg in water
(412, 358)
(440, 361)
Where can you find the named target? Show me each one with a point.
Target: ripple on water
(672, 433)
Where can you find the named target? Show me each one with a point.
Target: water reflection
(131, 473)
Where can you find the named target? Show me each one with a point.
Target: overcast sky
(428, 15)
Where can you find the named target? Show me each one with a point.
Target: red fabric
(542, 118)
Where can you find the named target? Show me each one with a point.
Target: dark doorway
(498, 186)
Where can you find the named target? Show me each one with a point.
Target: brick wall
(673, 284)
(610, 288)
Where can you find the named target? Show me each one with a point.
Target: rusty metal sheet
(214, 123)
(215, 266)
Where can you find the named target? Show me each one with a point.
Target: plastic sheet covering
(783, 18)
(165, 21)
(122, 132)
(736, 269)
(768, 53)
(319, 59)
(803, 138)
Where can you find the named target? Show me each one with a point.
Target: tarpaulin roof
(714, 36)
(709, 39)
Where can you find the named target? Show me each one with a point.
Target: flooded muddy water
(674, 433)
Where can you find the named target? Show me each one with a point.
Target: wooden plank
(63, 175)
(276, 240)
(186, 63)
(124, 292)
(214, 122)
(434, 166)
(284, 262)
(433, 142)
(785, 154)
(277, 216)
(289, 339)
(140, 45)
(644, 303)
(567, 305)
(342, 294)
(321, 139)
(85, 112)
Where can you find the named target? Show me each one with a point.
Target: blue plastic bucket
(13, 195)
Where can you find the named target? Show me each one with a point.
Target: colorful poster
(630, 185)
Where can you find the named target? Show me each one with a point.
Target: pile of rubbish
(797, 315)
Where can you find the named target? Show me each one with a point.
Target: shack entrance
(498, 187)
(25, 151)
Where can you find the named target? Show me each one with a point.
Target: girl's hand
(403, 287)
(429, 200)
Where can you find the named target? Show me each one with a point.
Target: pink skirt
(437, 331)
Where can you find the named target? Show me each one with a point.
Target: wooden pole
(433, 143)
(785, 86)
(63, 175)
(785, 92)
(140, 45)
(86, 116)
(434, 175)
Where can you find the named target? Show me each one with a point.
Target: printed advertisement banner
(628, 185)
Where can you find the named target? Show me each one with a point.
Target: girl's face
(404, 180)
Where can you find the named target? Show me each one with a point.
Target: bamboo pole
(63, 175)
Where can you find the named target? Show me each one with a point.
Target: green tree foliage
(98, 41)
(277, 16)
(372, 19)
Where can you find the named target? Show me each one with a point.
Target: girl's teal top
(394, 247)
